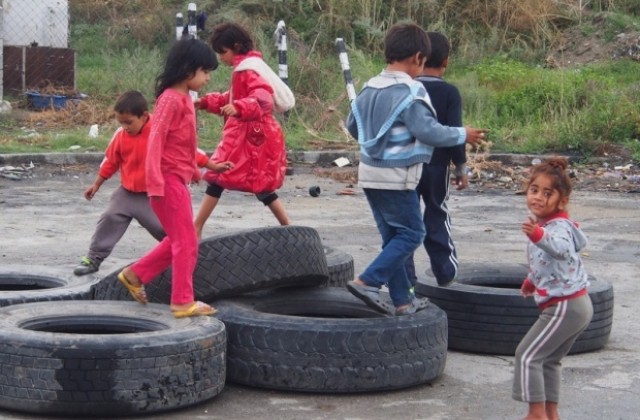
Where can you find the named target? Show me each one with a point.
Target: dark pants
(434, 190)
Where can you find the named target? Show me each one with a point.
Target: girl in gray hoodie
(558, 282)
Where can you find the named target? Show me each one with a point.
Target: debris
(314, 191)
(346, 191)
(17, 173)
(342, 161)
(93, 131)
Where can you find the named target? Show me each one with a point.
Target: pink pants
(179, 249)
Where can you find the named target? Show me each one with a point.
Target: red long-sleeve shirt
(172, 142)
(127, 153)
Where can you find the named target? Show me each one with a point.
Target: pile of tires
(488, 315)
(285, 322)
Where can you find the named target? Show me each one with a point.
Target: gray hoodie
(555, 266)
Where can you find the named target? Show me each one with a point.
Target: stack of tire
(79, 346)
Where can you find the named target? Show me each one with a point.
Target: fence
(34, 37)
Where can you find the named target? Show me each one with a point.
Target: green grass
(528, 108)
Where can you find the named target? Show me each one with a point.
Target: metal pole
(191, 14)
(179, 25)
(346, 70)
(283, 68)
(281, 43)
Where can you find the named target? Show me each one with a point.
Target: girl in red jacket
(170, 165)
(251, 138)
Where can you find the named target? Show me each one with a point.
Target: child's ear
(562, 204)
(445, 62)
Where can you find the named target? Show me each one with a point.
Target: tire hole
(92, 325)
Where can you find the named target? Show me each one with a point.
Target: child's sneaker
(86, 266)
(415, 305)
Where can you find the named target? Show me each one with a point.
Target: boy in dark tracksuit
(434, 183)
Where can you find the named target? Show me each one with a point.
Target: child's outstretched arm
(212, 102)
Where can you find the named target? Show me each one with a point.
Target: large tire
(487, 314)
(236, 263)
(107, 359)
(340, 265)
(28, 283)
(326, 340)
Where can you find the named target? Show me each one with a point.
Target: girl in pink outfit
(170, 167)
(252, 138)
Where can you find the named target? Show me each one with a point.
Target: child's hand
(475, 135)
(220, 167)
(229, 110)
(461, 182)
(197, 103)
(529, 226)
(91, 191)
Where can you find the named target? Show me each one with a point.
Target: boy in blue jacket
(396, 127)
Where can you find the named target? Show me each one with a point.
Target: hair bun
(558, 163)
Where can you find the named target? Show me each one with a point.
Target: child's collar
(559, 215)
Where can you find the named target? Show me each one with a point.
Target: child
(170, 165)
(558, 282)
(396, 128)
(251, 138)
(434, 183)
(126, 152)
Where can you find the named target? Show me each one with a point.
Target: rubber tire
(326, 340)
(488, 315)
(340, 265)
(107, 358)
(236, 263)
(29, 283)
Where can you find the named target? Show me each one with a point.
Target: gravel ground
(45, 220)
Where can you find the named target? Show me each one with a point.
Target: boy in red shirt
(126, 152)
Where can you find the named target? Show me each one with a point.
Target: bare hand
(197, 103)
(91, 191)
(475, 135)
(229, 110)
(529, 226)
(461, 182)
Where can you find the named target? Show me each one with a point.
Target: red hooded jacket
(252, 139)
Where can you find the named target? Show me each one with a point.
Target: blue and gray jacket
(396, 128)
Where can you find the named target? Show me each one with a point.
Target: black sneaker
(86, 266)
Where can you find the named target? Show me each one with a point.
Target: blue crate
(41, 101)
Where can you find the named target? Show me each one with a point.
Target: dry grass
(75, 114)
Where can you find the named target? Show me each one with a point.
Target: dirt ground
(44, 220)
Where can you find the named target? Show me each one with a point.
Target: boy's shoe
(416, 305)
(446, 283)
(371, 296)
(86, 266)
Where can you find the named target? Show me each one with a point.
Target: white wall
(43, 21)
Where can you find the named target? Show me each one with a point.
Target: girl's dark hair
(131, 102)
(231, 36)
(185, 57)
(556, 169)
(439, 50)
(404, 40)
